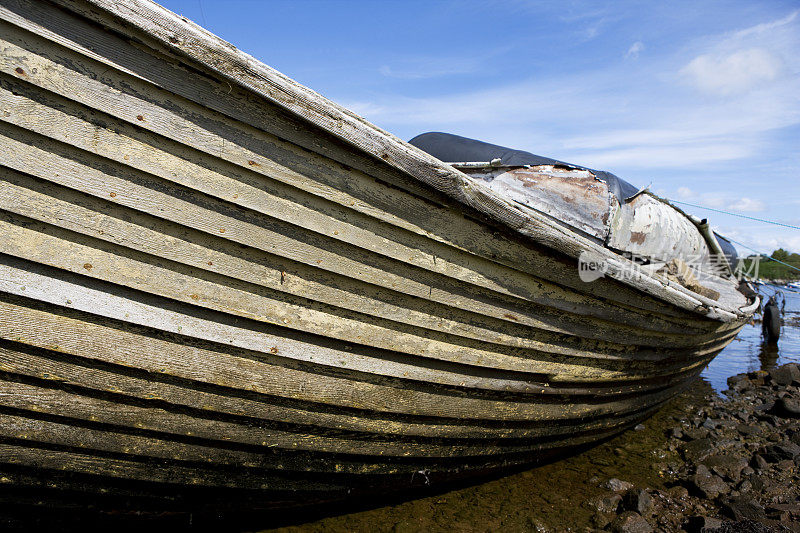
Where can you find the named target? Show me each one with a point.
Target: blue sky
(701, 99)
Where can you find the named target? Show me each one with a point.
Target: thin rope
(202, 13)
(737, 215)
(763, 254)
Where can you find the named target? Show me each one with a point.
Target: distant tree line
(768, 269)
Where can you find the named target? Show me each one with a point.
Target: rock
(782, 451)
(630, 522)
(678, 492)
(785, 375)
(740, 383)
(745, 486)
(744, 508)
(758, 483)
(733, 380)
(709, 424)
(675, 433)
(784, 511)
(708, 484)
(758, 377)
(763, 407)
(759, 463)
(703, 524)
(638, 500)
(639, 427)
(606, 504)
(748, 430)
(697, 450)
(787, 407)
(617, 485)
(695, 433)
(726, 465)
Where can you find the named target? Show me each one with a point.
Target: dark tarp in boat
(454, 148)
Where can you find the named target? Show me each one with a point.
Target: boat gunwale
(179, 35)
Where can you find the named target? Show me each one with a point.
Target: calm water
(749, 352)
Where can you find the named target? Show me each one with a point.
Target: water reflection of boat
(213, 278)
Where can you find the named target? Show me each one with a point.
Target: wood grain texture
(210, 272)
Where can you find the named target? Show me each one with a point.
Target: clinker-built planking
(212, 278)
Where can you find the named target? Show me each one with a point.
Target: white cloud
(732, 73)
(747, 204)
(766, 27)
(634, 50)
(364, 109)
(650, 156)
(767, 242)
(620, 119)
(723, 201)
(716, 202)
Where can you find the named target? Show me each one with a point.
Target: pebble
(617, 485)
(759, 463)
(638, 500)
(703, 524)
(727, 466)
(739, 467)
(606, 504)
(630, 522)
(785, 374)
(748, 429)
(744, 508)
(699, 449)
(707, 484)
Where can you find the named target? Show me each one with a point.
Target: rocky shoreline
(730, 464)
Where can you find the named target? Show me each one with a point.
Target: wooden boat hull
(201, 290)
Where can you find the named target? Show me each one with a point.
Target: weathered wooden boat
(213, 279)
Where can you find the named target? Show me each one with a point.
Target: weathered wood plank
(609, 291)
(122, 143)
(243, 70)
(155, 472)
(49, 246)
(173, 425)
(271, 237)
(119, 384)
(212, 277)
(67, 433)
(105, 221)
(173, 359)
(45, 245)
